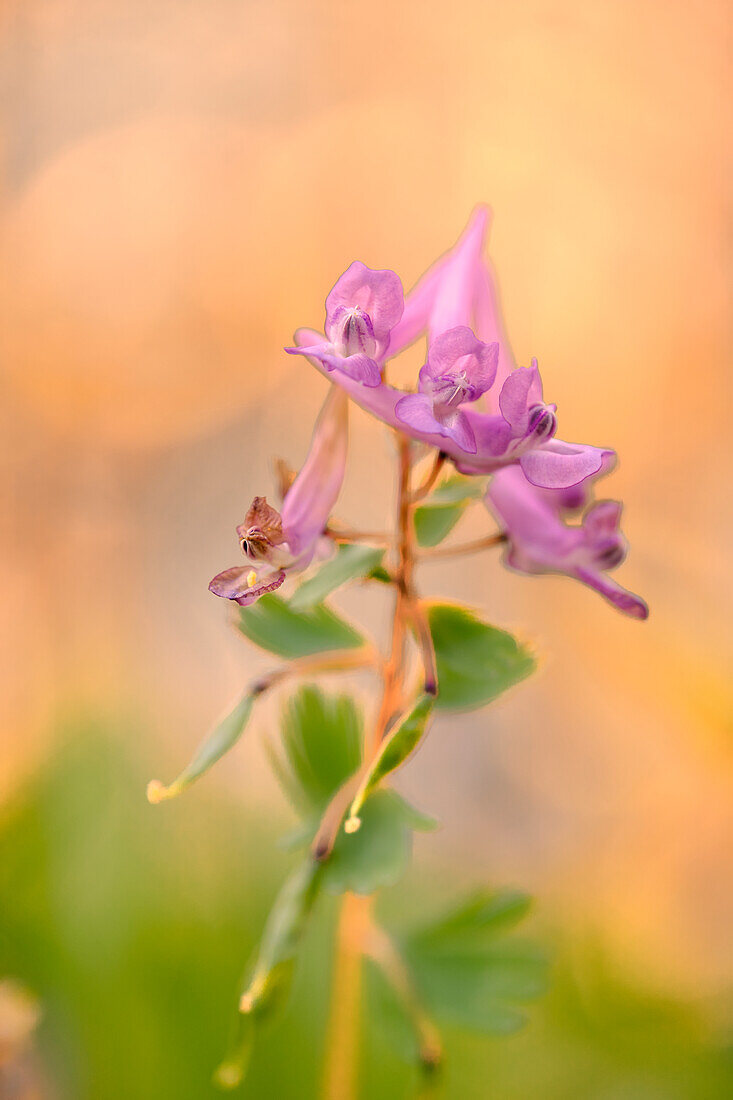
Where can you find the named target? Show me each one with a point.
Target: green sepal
(476, 662)
(273, 625)
(351, 560)
(230, 1073)
(269, 985)
(211, 749)
(394, 750)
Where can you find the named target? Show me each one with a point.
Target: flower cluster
(472, 404)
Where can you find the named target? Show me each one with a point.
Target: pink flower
(361, 311)
(541, 541)
(277, 544)
(517, 427)
(459, 369)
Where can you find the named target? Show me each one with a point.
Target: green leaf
(433, 523)
(273, 625)
(271, 980)
(393, 751)
(438, 515)
(481, 991)
(351, 560)
(483, 916)
(322, 738)
(212, 748)
(468, 973)
(456, 489)
(379, 574)
(476, 662)
(376, 855)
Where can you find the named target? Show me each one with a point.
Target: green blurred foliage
(133, 924)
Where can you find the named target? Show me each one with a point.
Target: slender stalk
(350, 534)
(342, 1040)
(384, 952)
(463, 548)
(345, 661)
(341, 1080)
(422, 490)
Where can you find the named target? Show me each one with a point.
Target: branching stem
(463, 548)
(422, 490)
(342, 1041)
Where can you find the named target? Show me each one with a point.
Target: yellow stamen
(251, 578)
(352, 824)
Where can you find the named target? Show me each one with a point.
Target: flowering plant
(473, 409)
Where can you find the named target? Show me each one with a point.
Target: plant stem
(463, 548)
(422, 490)
(342, 1041)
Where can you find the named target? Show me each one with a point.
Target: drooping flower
(519, 427)
(540, 540)
(459, 369)
(276, 544)
(361, 311)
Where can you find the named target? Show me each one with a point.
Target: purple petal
(420, 301)
(621, 598)
(603, 519)
(322, 351)
(456, 291)
(458, 349)
(233, 584)
(416, 410)
(490, 327)
(378, 293)
(361, 368)
(521, 390)
(558, 465)
(458, 427)
(314, 492)
(540, 540)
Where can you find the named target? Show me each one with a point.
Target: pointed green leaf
(455, 490)
(273, 625)
(476, 662)
(438, 515)
(212, 748)
(351, 560)
(434, 523)
(393, 751)
(379, 574)
(322, 738)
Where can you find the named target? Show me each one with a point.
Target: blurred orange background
(181, 185)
